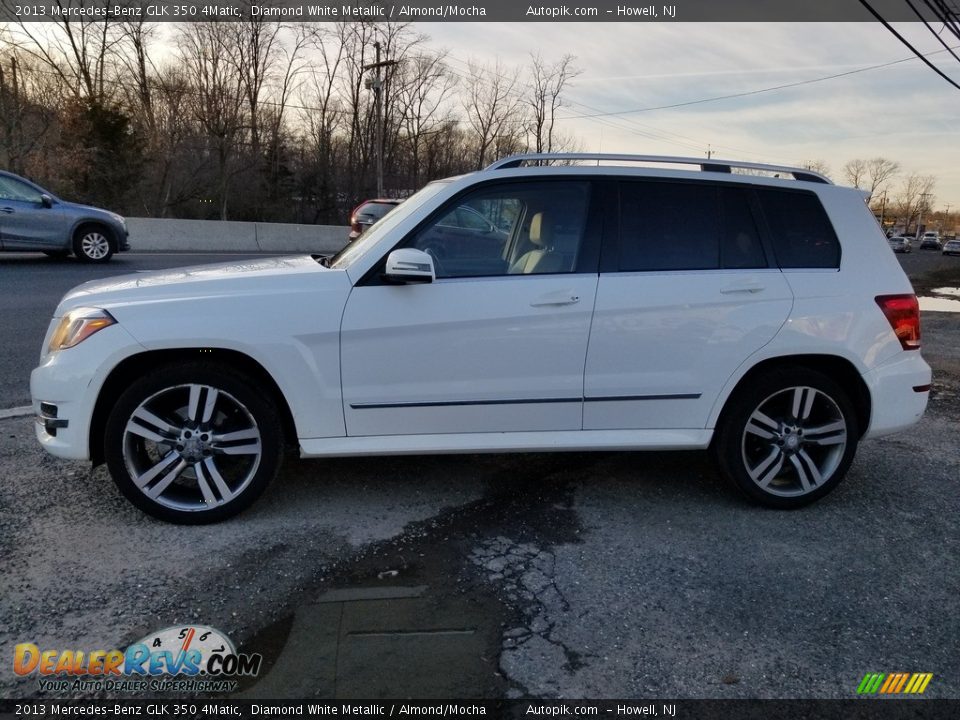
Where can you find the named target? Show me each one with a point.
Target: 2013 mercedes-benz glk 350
(634, 303)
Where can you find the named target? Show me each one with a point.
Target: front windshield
(359, 247)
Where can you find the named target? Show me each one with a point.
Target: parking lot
(569, 575)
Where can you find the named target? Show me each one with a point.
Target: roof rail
(710, 165)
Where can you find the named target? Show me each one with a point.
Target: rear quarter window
(800, 231)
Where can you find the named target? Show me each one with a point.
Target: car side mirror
(409, 265)
(46, 201)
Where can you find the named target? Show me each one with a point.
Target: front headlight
(77, 325)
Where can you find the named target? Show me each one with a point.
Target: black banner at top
(467, 10)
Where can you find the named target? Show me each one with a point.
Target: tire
(56, 253)
(93, 244)
(197, 462)
(765, 444)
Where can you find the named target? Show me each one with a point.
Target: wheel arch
(135, 366)
(834, 366)
(94, 222)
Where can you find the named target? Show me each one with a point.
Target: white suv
(610, 306)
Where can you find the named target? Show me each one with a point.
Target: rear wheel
(91, 243)
(788, 438)
(193, 443)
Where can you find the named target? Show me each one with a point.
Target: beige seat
(542, 259)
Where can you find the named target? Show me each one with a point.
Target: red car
(367, 213)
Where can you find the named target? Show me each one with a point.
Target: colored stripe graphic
(894, 683)
(918, 683)
(870, 683)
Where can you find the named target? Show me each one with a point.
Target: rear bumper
(899, 390)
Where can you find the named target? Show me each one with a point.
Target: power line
(769, 89)
(906, 42)
(930, 28)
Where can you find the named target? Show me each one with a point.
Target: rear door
(689, 293)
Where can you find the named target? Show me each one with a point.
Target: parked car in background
(34, 219)
(952, 247)
(901, 244)
(367, 213)
(930, 240)
(629, 308)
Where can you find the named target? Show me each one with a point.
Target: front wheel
(92, 244)
(193, 443)
(788, 438)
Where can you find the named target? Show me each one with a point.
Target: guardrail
(171, 235)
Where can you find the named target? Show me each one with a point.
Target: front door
(498, 342)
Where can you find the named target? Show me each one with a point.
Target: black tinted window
(687, 226)
(669, 226)
(800, 230)
(740, 242)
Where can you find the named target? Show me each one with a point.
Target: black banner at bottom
(854, 709)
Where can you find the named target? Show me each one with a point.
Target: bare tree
(28, 113)
(206, 52)
(879, 171)
(493, 110)
(913, 196)
(546, 97)
(78, 52)
(323, 114)
(818, 166)
(855, 171)
(424, 87)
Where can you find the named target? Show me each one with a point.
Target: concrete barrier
(170, 235)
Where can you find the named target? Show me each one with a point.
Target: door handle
(744, 287)
(7, 210)
(563, 297)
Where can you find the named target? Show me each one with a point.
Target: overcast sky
(904, 112)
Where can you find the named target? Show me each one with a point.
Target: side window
(511, 228)
(740, 246)
(800, 230)
(669, 226)
(11, 189)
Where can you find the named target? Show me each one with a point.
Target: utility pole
(709, 151)
(923, 205)
(883, 207)
(946, 216)
(376, 84)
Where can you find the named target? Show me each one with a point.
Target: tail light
(903, 314)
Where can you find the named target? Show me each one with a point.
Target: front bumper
(65, 387)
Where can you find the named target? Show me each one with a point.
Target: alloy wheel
(794, 441)
(192, 447)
